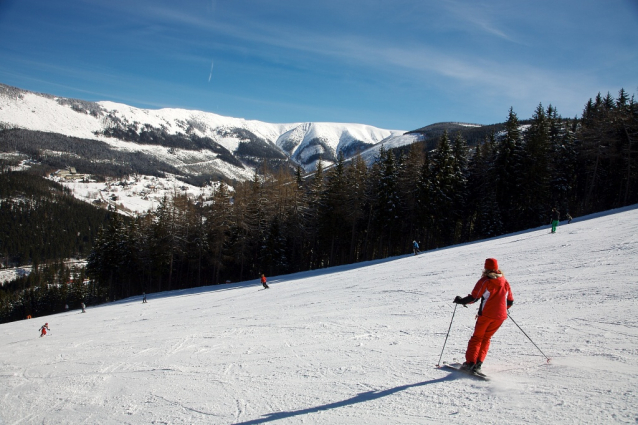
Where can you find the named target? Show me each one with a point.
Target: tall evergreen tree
(315, 207)
(506, 171)
(460, 151)
(407, 182)
(355, 201)
(444, 180)
(333, 221)
(534, 176)
(387, 206)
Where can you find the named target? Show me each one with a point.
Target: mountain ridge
(227, 147)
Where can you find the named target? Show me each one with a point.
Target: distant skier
(263, 281)
(83, 308)
(496, 297)
(44, 329)
(569, 218)
(143, 297)
(555, 219)
(415, 247)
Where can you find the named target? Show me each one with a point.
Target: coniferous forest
(41, 221)
(280, 223)
(41, 224)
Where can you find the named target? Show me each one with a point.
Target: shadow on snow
(359, 398)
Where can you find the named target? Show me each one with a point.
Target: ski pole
(448, 334)
(510, 316)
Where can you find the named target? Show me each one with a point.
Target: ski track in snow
(355, 344)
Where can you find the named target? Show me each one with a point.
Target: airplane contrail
(211, 71)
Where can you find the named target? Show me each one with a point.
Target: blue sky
(395, 64)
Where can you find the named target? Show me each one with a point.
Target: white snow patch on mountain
(355, 344)
(311, 139)
(390, 143)
(39, 113)
(136, 195)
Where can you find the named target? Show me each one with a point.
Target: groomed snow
(351, 345)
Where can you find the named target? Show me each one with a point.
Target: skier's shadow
(359, 398)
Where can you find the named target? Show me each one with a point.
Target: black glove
(463, 301)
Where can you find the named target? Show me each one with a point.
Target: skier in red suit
(263, 282)
(496, 297)
(44, 329)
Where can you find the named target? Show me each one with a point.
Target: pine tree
(333, 216)
(217, 228)
(597, 140)
(534, 175)
(356, 176)
(387, 206)
(483, 204)
(460, 152)
(506, 171)
(315, 207)
(426, 212)
(407, 182)
(444, 183)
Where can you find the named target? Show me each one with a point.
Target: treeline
(281, 224)
(48, 289)
(41, 221)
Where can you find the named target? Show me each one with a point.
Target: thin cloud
(480, 16)
(425, 63)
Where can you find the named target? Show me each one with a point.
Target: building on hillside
(70, 173)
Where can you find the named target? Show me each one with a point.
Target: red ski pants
(480, 341)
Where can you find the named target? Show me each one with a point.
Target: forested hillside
(352, 213)
(87, 156)
(40, 220)
(41, 224)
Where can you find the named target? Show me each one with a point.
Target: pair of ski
(456, 367)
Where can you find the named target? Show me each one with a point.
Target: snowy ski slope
(352, 345)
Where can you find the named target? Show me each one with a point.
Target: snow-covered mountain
(194, 143)
(355, 344)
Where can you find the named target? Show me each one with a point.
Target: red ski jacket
(495, 294)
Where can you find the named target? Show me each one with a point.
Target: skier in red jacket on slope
(263, 281)
(44, 329)
(496, 297)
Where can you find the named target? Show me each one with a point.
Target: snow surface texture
(355, 344)
(300, 141)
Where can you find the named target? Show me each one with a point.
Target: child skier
(44, 329)
(83, 308)
(415, 247)
(496, 297)
(263, 281)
